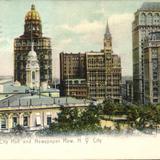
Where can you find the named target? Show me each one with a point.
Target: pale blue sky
(74, 26)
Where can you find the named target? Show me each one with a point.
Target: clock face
(108, 57)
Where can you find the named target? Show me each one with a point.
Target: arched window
(143, 19)
(33, 75)
(3, 122)
(156, 19)
(149, 19)
(14, 121)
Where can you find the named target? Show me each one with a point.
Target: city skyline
(70, 27)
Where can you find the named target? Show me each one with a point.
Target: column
(30, 121)
(9, 121)
(20, 119)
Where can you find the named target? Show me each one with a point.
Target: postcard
(79, 79)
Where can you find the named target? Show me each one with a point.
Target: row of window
(44, 42)
(97, 95)
(149, 19)
(25, 121)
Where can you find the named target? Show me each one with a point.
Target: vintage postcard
(79, 79)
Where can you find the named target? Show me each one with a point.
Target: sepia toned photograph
(79, 79)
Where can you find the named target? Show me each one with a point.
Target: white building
(32, 70)
(34, 112)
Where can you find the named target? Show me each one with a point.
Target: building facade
(34, 112)
(73, 75)
(151, 68)
(42, 46)
(96, 74)
(147, 19)
(127, 91)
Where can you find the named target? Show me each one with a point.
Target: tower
(151, 68)
(146, 21)
(112, 69)
(42, 46)
(107, 39)
(32, 70)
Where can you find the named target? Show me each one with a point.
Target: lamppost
(48, 73)
(68, 85)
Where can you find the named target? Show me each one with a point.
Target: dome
(32, 14)
(32, 54)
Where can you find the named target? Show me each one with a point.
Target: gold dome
(32, 14)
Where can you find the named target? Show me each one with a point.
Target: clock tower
(107, 39)
(32, 70)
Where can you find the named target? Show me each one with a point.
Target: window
(149, 19)
(143, 19)
(3, 123)
(49, 120)
(25, 121)
(15, 121)
(38, 121)
(156, 19)
(33, 75)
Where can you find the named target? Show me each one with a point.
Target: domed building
(42, 46)
(33, 23)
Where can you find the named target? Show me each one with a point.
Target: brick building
(95, 75)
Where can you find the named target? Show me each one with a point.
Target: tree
(90, 118)
(132, 115)
(108, 108)
(74, 119)
(19, 130)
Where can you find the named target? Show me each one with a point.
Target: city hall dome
(32, 55)
(32, 14)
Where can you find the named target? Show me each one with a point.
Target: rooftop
(26, 100)
(154, 6)
(94, 53)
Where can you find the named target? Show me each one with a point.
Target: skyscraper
(96, 75)
(42, 46)
(147, 19)
(151, 68)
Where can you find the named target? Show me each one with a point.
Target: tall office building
(151, 68)
(73, 75)
(92, 74)
(147, 19)
(42, 46)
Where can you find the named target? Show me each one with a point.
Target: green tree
(74, 119)
(108, 108)
(132, 112)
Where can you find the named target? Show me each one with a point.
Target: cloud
(85, 33)
(121, 29)
(84, 27)
(90, 33)
(6, 63)
(67, 41)
(4, 43)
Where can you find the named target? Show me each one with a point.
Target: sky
(73, 26)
